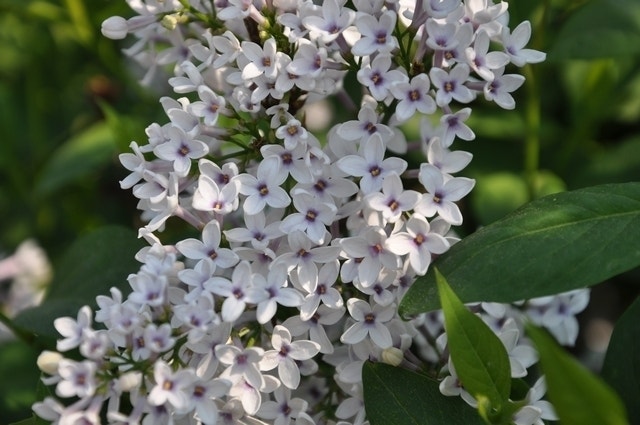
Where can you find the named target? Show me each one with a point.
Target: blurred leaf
(497, 194)
(617, 164)
(30, 421)
(39, 320)
(94, 263)
(20, 379)
(577, 396)
(547, 183)
(77, 157)
(395, 396)
(554, 244)
(600, 29)
(125, 128)
(621, 367)
(479, 357)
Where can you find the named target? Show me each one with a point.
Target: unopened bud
(130, 381)
(170, 22)
(48, 362)
(392, 356)
(115, 28)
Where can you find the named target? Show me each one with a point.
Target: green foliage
(395, 396)
(601, 28)
(621, 367)
(577, 396)
(478, 355)
(77, 158)
(95, 263)
(557, 243)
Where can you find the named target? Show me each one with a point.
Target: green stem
(532, 140)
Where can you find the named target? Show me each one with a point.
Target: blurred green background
(70, 103)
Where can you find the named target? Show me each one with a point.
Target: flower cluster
(305, 245)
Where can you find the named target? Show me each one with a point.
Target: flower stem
(532, 140)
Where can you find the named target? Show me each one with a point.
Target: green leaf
(78, 157)
(578, 396)
(20, 379)
(30, 421)
(480, 358)
(600, 29)
(395, 396)
(554, 244)
(92, 265)
(621, 367)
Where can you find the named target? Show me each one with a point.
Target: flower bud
(170, 22)
(48, 362)
(115, 28)
(129, 381)
(392, 356)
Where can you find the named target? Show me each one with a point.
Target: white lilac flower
(481, 60)
(323, 291)
(208, 107)
(76, 378)
(370, 254)
(244, 287)
(335, 19)
(293, 134)
(181, 150)
(413, 96)
(419, 242)
(73, 330)
(315, 326)
(263, 189)
(312, 217)
(371, 165)
(241, 363)
(285, 354)
(514, 42)
(202, 396)
(210, 197)
(209, 248)
(499, 90)
(256, 230)
(447, 161)
(450, 85)
(170, 387)
(378, 76)
(284, 408)
(367, 124)
(393, 200)
(370, 321)
(453, 126)
(442, 194)
(262, 60)
(377, 34)
(277, 293)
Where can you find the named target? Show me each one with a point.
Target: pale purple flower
(450, 85)
(514, 43)
(499, 90)
(369, 321)
(442, 194)
(377, 34)
(285, 354)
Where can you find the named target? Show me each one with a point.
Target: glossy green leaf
(621, 367)
(480, 358)
(554, 244)
(92, 265)
(395, 396)
(601, 28)
(78, 157)
(578, 396)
